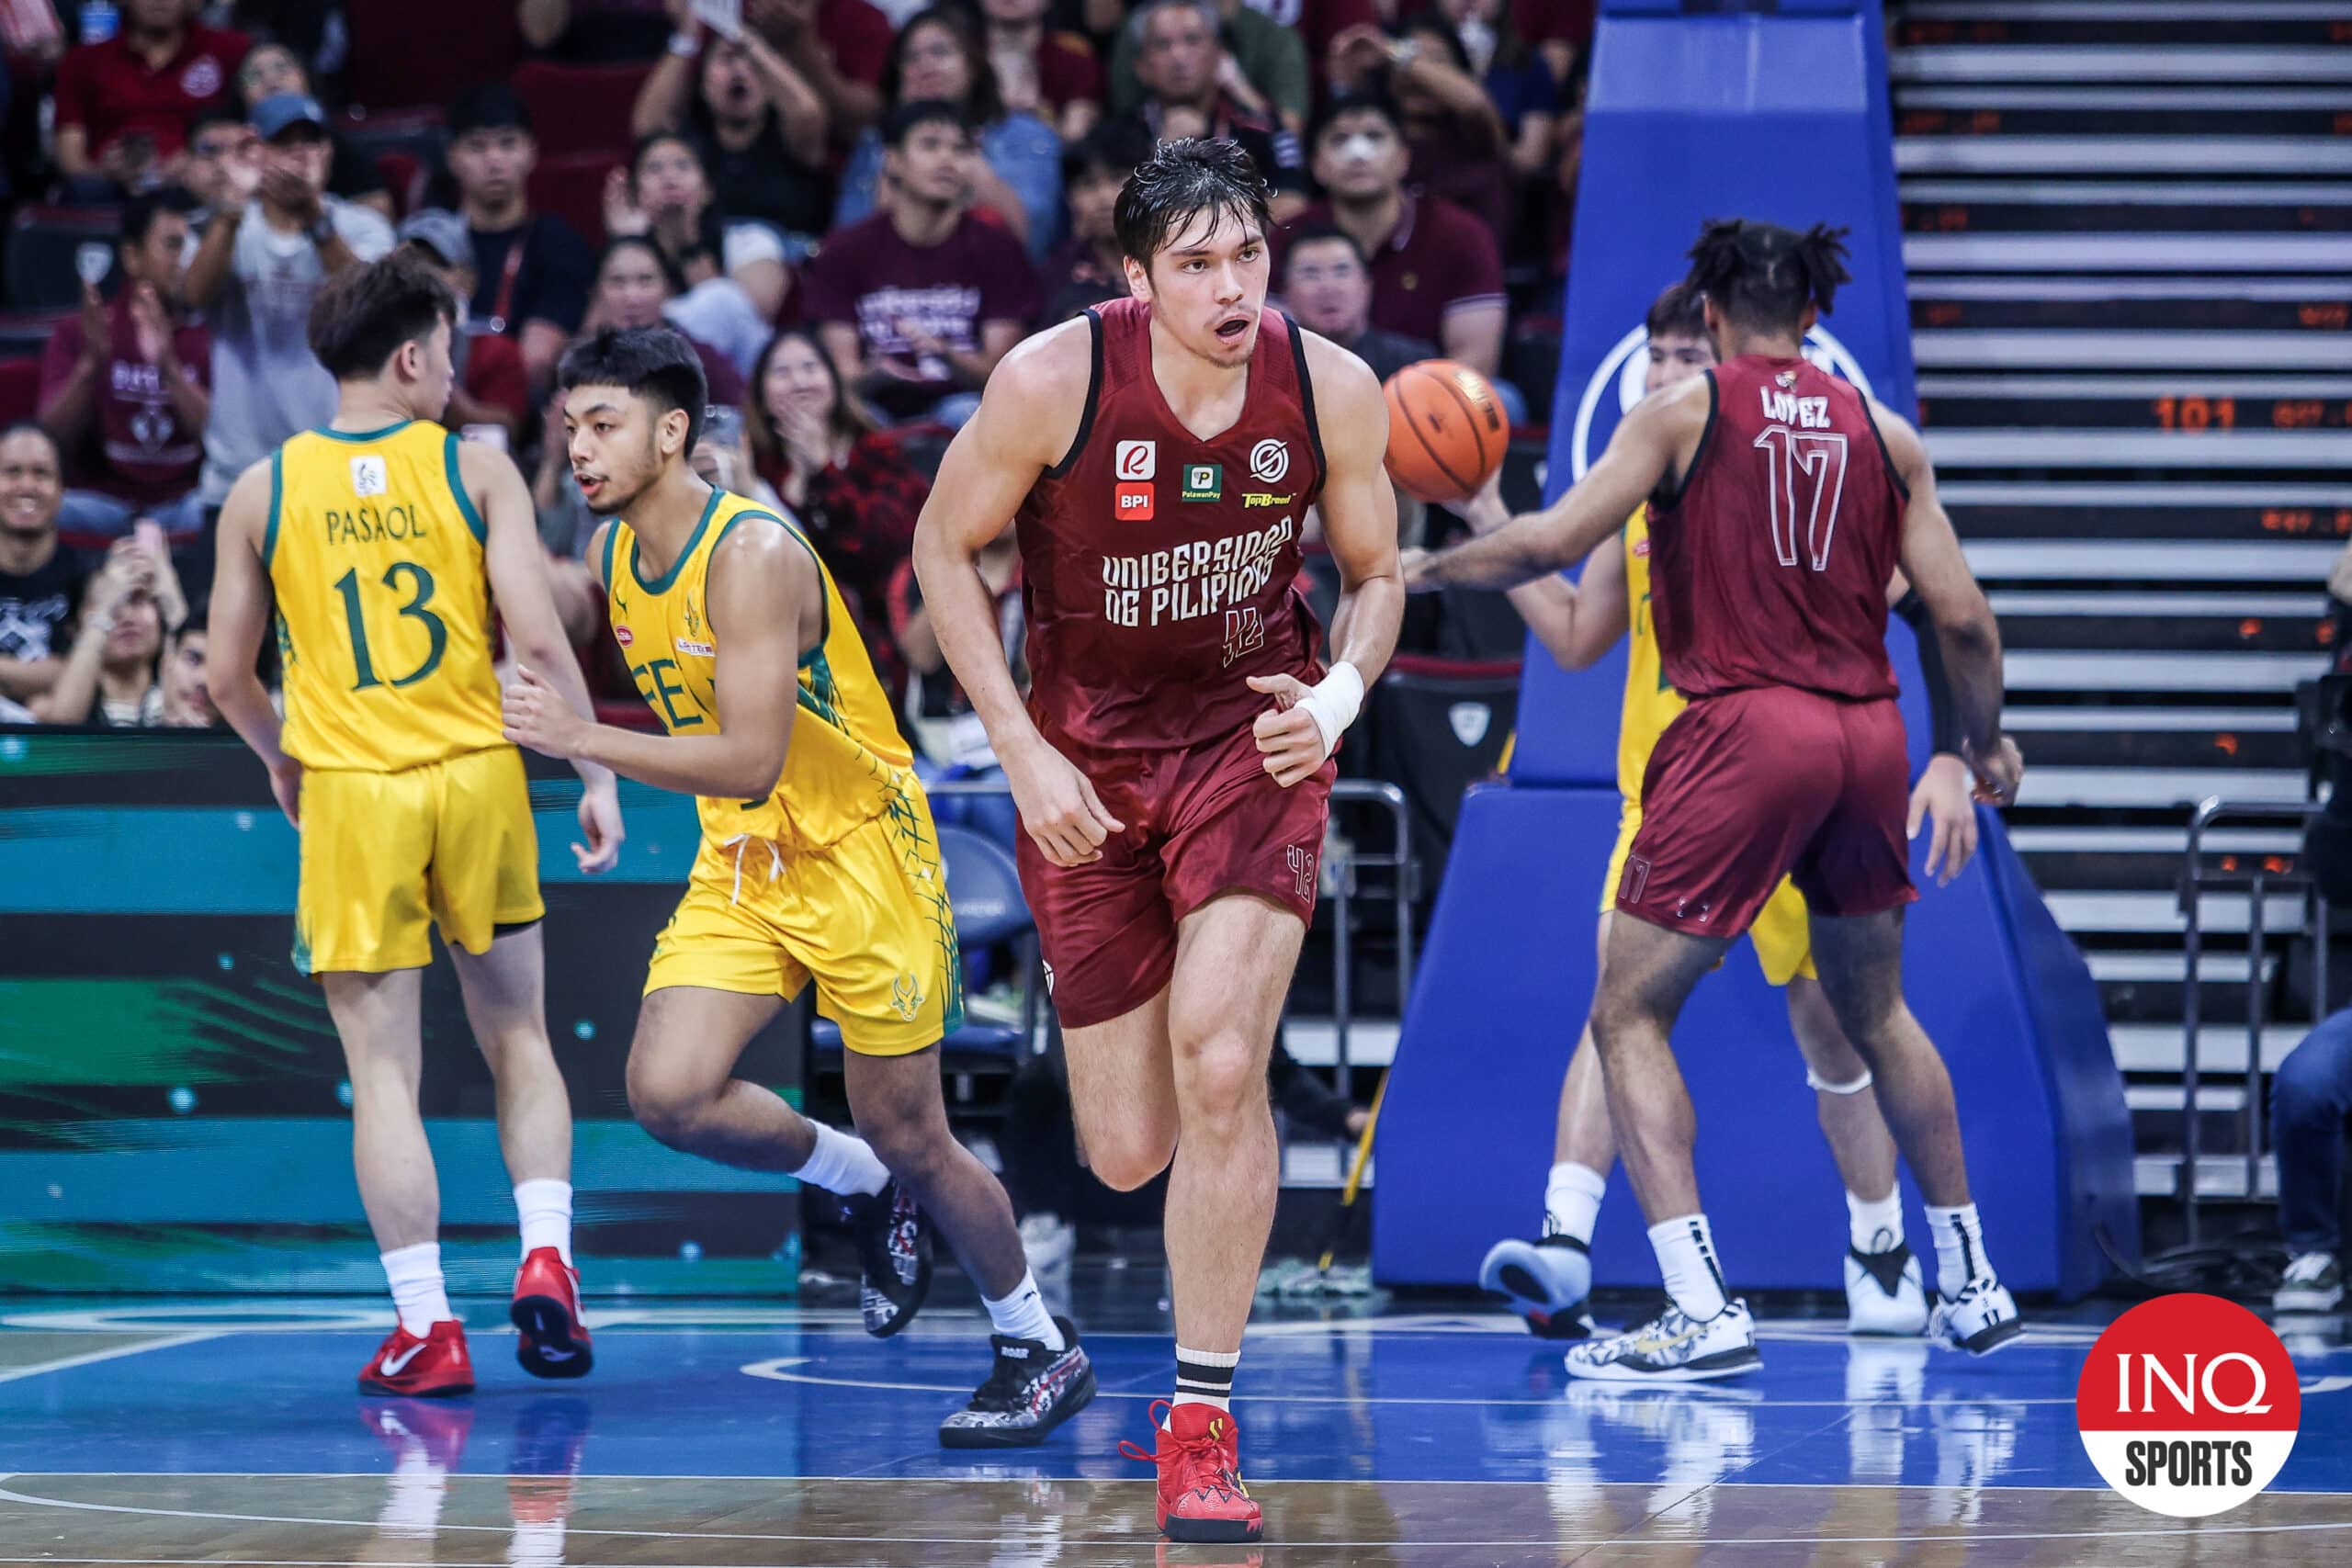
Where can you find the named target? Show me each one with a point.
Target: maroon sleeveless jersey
(1160, 570)
(1770, 567)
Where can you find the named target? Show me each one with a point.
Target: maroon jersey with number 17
(1770, 567)
(1160, 569)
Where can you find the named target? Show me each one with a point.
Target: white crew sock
(414, 1273)
(844, 1165)
(1960, 1248)
(1205, 1377)
(1686, 1256)
(1023, 1315)
(1572, 1200)
(544, 1206)
(1875, 1227)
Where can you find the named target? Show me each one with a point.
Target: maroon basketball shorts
(1200, 822)
(1750, 787)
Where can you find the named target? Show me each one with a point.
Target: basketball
(1446, 430)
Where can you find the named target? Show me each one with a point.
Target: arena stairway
(2129, 235)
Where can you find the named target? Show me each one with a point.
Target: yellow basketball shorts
(1782, 933)
(386, 856)
(866, 918)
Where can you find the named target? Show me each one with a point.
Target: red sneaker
(1201, 1494)
(553, 1342)
(433, 1366)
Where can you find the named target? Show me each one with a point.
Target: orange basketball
(1446, 430)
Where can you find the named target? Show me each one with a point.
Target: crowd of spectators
(852, 207)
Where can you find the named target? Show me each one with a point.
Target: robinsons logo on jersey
(1616, 385)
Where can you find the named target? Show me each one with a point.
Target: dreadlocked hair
(1763, 277)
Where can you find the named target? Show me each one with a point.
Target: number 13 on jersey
(1805, 478)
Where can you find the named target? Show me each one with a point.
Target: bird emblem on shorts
(906, 996)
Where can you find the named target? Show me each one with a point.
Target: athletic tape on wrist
(1334, 702)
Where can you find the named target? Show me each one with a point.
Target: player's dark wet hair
(1762, 276)
(365, 313)
(654, 363)
(1680, 311)
(1180, 180)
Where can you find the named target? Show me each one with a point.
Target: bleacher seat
(581, 109)
(48, 248)
(28, 332)
(19, 389)
(410, 54)
(403, 146)
(573, 187)
(1436, 727)
(984, 886)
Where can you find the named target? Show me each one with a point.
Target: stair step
(2153, 560)
(2222, 305)
(2210, 449)
(2128, 631)
(2122, 155)
(1988, 25)
(2191, 405)
(2226, 351)
(2143, 913)
(2218, 1176)
(2144, 671)
(2220, 1048)
(2236, 514)
(2147, 786)
(2226, 750)
(2193, 63)
(2180, 251)
(2070, 207)
(2115, 111)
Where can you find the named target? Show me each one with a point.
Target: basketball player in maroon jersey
(1173, 764)
(1781, 500)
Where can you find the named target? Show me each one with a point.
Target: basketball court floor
(736, 1432)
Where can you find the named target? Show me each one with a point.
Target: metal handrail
(1405, 875)
(2194, 881)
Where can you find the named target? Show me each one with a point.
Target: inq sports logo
(1625, 367)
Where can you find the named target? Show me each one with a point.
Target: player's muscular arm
(240, 618)
(517, 566)
(1358, 512)
(1657, 439)
(764, 608)
(1970, 637)
(1027, 419)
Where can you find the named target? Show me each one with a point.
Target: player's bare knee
(666, 1105)
(1131, 1159)
(1219, 1078)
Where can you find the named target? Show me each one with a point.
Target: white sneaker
(1885, 1292)
(2312, 1284)
(1671, 1347)
(1047, 1241)
(1980, 1320)
(1546, 1281)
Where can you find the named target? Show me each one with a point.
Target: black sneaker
(894, 1245)
(1029, 1391)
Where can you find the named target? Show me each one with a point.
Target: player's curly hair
(1763, 277)
(1179, 182)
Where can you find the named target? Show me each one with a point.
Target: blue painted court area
(751, 1392)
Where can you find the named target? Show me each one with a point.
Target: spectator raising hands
(763, 125)
(665, 196)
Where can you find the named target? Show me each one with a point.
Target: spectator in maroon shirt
(917, 304)
(1091, 269)
(1453, 133)
(125, 387)
(123, 106)
(854, 492)
(839, 47)
(1436, 273)
(1041, 70)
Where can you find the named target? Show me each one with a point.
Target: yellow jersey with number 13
(1650, 703)
(383, 601)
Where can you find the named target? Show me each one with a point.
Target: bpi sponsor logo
(1136, 460)
(1616, 387)
(2188, 1406)
(1134, 502)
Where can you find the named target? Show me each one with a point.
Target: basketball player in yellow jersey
(1548, 1279)
(819, 860)
(381, 540)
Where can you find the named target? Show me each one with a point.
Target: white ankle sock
(1205, 1377)
(544, 1206)
(414, 1274)
(1875, 1227)
(843, 1164)
(1023, 1316)
(1686, 1256)
(1960, 1248)
(1572, 1200)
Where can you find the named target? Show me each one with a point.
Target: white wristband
(1334, 702)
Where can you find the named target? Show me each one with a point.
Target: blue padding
(978, 1039)
(1466, 1138)
(984, 885)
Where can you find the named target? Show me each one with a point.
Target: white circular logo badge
(202, 78)
(2188, 1406)
(1626, 366)
(1269, 461)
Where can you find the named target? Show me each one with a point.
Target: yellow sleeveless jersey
(846, 764)
(1650, 703)
(383, 603)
